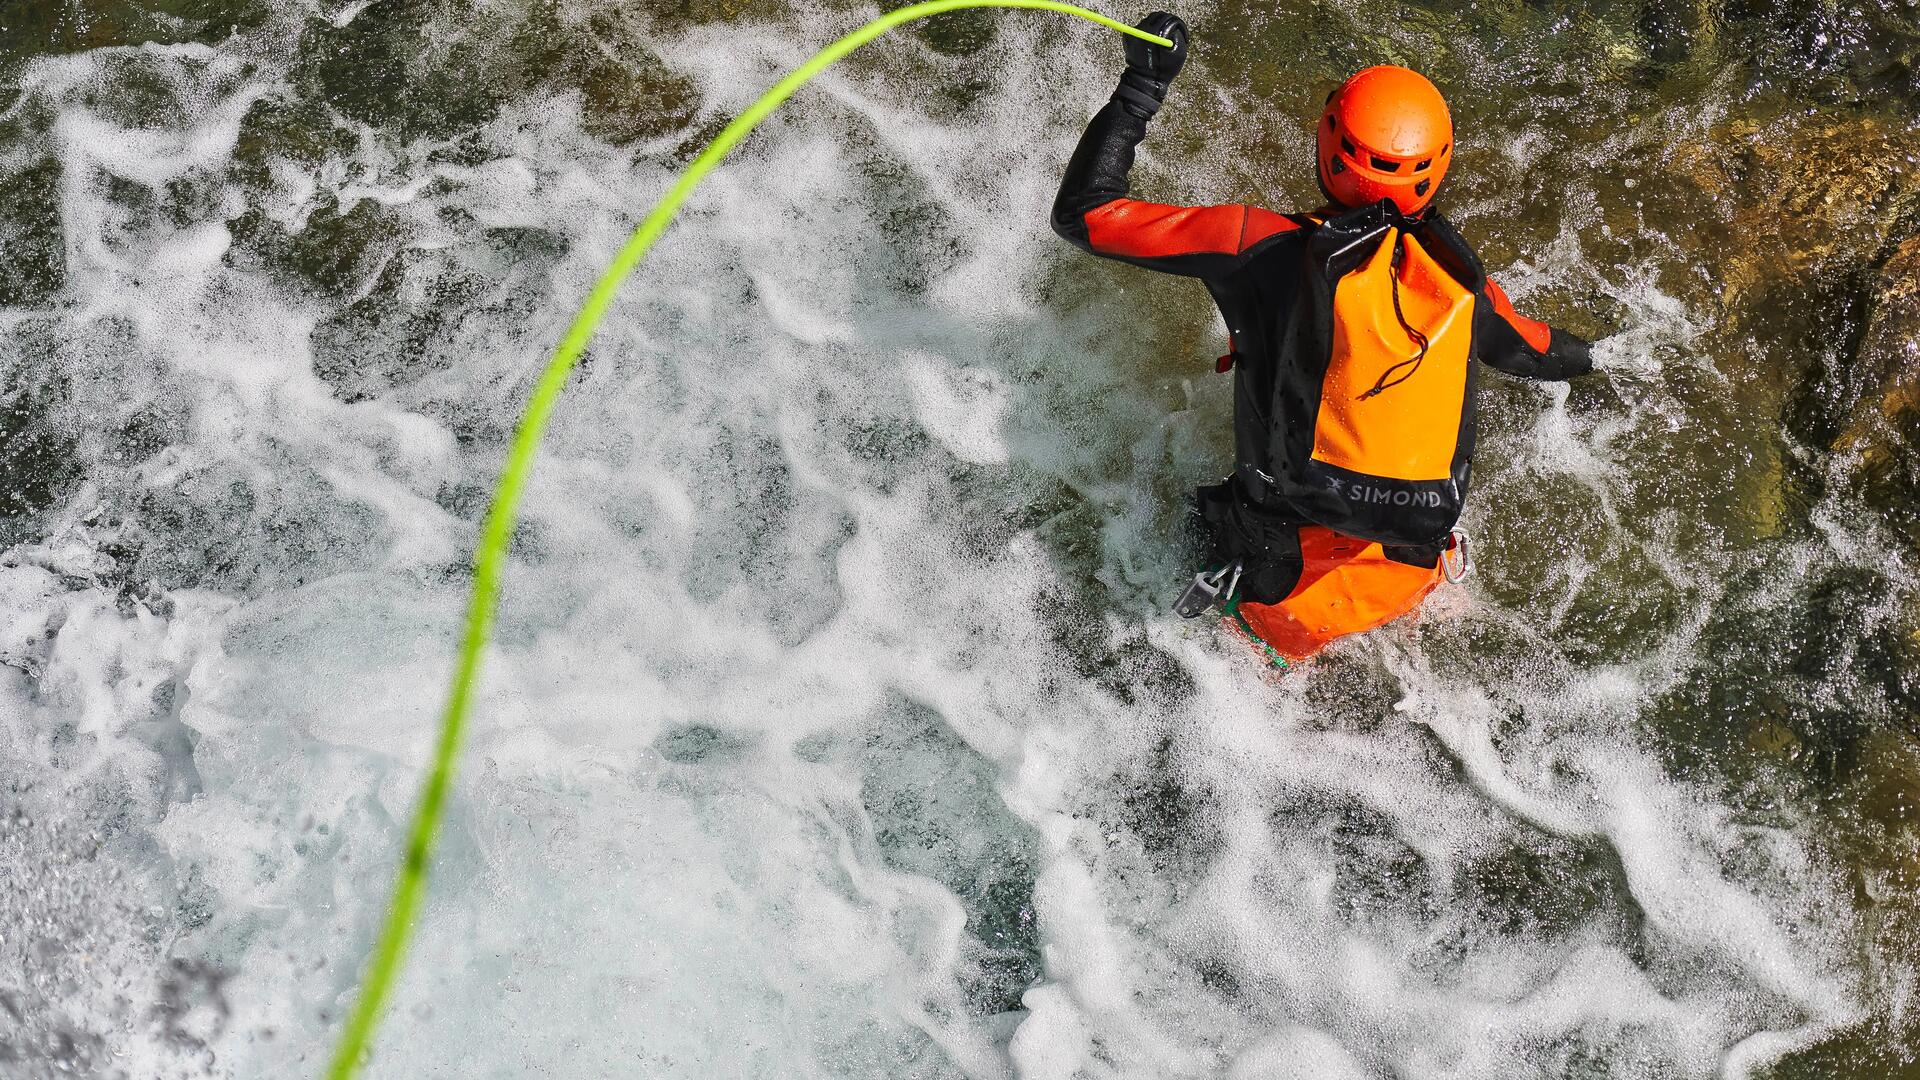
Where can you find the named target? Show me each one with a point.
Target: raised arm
(1093, 211)
(1521, 346)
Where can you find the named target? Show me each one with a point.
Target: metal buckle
(1207, 590)
(1456, 562)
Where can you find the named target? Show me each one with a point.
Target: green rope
(491, 555)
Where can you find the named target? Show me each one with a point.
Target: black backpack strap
(1451, 250)
(1424, 556)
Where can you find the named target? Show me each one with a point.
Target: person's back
(1355, 334)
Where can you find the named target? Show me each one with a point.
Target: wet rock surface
(1814, 195)
(1882, 395)
(371, 70)
(31, 29)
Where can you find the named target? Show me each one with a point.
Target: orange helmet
(1386, 134)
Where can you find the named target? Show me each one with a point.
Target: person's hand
(1572, 354)
(1150, 67)
(1157, 62)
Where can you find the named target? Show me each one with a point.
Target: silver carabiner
(1208, 590)
(1456, 562)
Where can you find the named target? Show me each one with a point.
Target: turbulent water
(837, 725)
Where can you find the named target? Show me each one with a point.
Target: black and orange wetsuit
(1255, 263)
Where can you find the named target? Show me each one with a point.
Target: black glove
(1150, 67)
(1573, 355)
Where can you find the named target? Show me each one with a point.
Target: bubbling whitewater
(835, 725)
(497, 530)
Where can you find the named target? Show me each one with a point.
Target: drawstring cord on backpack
(1418, 338)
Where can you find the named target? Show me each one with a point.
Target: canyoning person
(1354, 337)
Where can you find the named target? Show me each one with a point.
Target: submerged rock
(1794, 212)
(424, 302)
(36, 429)
(1890, 352)
(627, 92)
(32, 242)
(372, 69)
(1674, 31)
(31, 29)
(1811, 194)
(333, 253)
(1884, 396)
(1881, 437)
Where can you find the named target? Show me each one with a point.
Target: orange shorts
(1346, 586)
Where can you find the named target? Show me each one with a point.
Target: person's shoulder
(1263, 225)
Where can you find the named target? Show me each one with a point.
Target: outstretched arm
(1093, 211)
(1521, 346)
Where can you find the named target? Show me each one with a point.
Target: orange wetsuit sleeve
(1527, 347)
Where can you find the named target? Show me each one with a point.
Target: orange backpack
(1372, 432)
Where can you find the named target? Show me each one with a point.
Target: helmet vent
(1422, 167)
(1346, 145)
(1383, 164)
(1422, 187)
(1337, 166)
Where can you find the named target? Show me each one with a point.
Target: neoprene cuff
(1140, 95)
